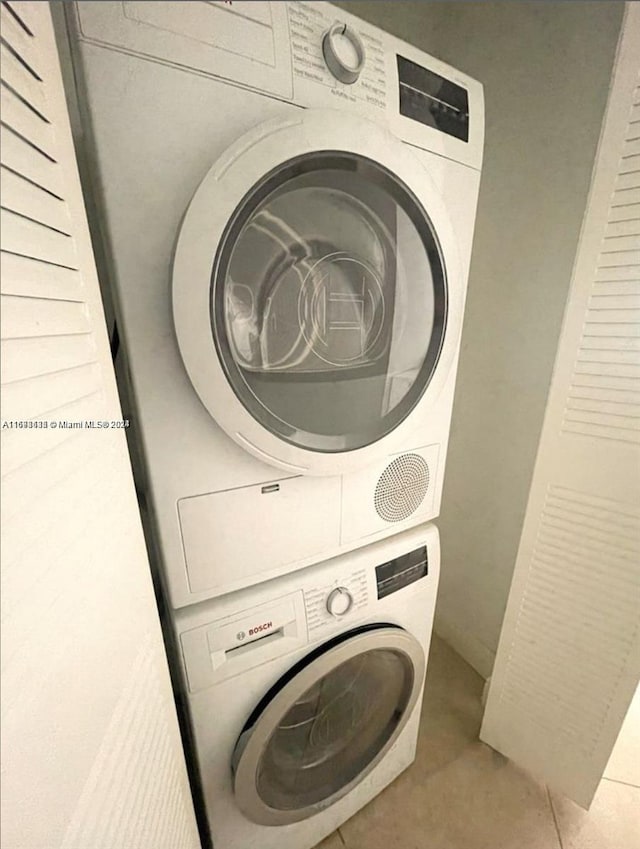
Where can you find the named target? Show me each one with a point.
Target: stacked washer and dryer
(287, 198)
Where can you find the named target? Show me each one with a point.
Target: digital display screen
(402, 571)
(433, 100)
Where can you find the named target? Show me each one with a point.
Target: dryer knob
(339, 601)
(343, 52)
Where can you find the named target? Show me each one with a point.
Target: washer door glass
(322, 739)
(329, 301)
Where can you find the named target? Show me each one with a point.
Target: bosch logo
(240, 635)
(264, 627)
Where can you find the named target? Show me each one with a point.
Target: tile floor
(460, 794)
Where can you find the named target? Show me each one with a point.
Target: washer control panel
(398, 573)
(344, 597)
(339, 602)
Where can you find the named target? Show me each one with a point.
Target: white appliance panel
(220, 710)
(247, 44)
(162, 107)
(257, 529)
(396, 492)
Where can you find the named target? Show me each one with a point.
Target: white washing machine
(305, 692)
(287, 197)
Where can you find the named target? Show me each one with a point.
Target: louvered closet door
(91, 754)
(568, 661)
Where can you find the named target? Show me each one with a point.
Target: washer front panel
(322, 255)
(326, 724)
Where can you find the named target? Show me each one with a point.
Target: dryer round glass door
(317, 294)
(329, 302)
(327, 724)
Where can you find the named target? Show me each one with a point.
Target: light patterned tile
(612, 822)
(479, 801)
(331, 842)
(451, 710)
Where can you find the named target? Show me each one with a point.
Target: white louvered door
(91, 753)
(568, 661)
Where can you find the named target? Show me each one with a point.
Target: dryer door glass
(330, 734)
(329, 301)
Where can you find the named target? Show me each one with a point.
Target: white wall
(546, 70)
(624, 763)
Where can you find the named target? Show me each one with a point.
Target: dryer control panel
(347, 61)
(433, 100)
(341, 62)
(307, 53)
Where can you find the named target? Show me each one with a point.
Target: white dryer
(305, 692)
(288, 198)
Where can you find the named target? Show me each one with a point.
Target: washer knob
(339, 601)
(343, 52)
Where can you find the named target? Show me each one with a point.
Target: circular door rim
(232, 177)
(253, 740)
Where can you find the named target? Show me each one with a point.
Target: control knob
(343, 52)
(339, 601)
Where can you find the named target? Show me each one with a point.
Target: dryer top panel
(311, 54)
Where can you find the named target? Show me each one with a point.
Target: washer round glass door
(327, 724)
(316, 293)
(329, 301)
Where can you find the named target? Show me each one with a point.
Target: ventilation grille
(401, 488)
